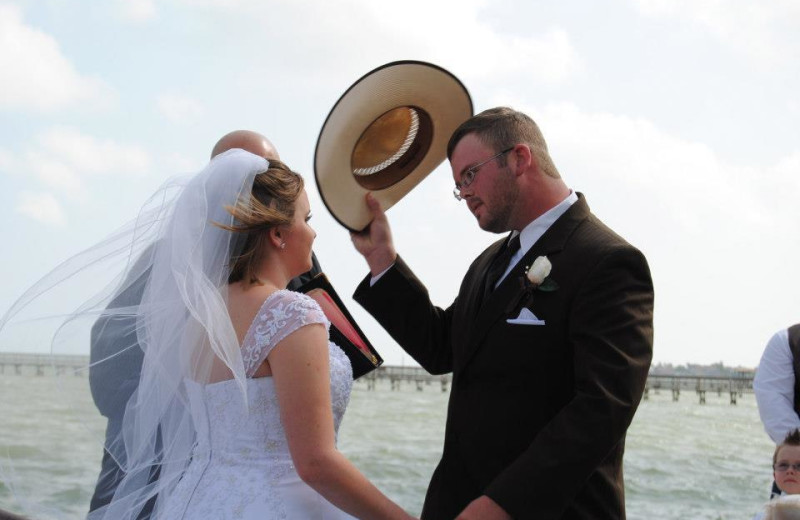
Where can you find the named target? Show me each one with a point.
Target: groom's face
(491, 195)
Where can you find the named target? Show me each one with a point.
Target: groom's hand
(483, 508)
(375, 242)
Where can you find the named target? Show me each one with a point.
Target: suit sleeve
(401, 304)
(115, 355)
(611, 336)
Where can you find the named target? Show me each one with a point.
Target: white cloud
(469, 43)
(460, 35)
(765, 31)
(62, 159)
(89, 155)
(42, 207)
(548, 57)
(56, 175)
(181, 163)
(137, 10)
(6, 160)
(178, 108)
(688, 179)
(34, 73)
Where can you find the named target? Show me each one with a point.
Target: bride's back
(244, 302)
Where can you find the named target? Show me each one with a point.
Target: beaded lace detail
(282, 313)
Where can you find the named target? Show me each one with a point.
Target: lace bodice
(282, 313)
(241, 461)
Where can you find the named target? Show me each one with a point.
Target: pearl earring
(283, 245)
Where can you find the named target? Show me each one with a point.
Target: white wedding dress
(241, 467)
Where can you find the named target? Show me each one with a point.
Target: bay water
(683, 460)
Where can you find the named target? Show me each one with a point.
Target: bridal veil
(158, 288)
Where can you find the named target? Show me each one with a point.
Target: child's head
(786, 464)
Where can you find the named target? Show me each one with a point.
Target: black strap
(794, 338)
(794, 347)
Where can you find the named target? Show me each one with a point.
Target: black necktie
(500, 264)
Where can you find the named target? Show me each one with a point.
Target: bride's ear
(276, 237)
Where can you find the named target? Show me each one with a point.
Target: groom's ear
(523, 158)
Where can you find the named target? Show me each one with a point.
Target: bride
(241, 392)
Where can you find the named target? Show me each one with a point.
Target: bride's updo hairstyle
(271, 204)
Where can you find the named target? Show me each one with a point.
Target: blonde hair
(271, 204)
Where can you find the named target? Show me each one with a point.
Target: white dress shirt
(534, 231)
(773, 385)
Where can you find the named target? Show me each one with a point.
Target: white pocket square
(526, 317)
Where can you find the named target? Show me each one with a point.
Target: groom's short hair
(503, 127)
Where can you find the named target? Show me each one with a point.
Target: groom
(546, 375)
(113, 381)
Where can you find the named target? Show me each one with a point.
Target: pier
(397, 376)
(41, 364)
(733, 386)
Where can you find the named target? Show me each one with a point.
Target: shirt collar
(534, 231)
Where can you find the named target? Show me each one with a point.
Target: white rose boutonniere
(536, 278)
(539, 270)
(538, 273)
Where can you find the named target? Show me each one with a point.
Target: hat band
(391, 147)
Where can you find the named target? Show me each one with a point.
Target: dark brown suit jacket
(537, 414)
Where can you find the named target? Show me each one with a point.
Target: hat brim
(398, 84)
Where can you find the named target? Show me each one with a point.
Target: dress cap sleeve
(282, 313)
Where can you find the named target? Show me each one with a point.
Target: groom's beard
(499, 203)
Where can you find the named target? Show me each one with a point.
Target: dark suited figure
(6, 515)
(539, 406)
(114, 381)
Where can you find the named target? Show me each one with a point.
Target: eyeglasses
(783, 467)
(469, 175)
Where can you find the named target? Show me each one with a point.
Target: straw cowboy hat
(385, 134)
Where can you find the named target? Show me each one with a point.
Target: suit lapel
(496, 306)
(472, 293)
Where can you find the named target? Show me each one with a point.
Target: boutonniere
(536, 278)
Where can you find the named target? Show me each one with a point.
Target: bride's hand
(483, 508)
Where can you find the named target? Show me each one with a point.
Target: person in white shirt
(776, 388)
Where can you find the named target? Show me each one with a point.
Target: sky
(678, 120)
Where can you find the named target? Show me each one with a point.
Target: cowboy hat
(386, 133)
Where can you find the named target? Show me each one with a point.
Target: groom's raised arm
(399, 300)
